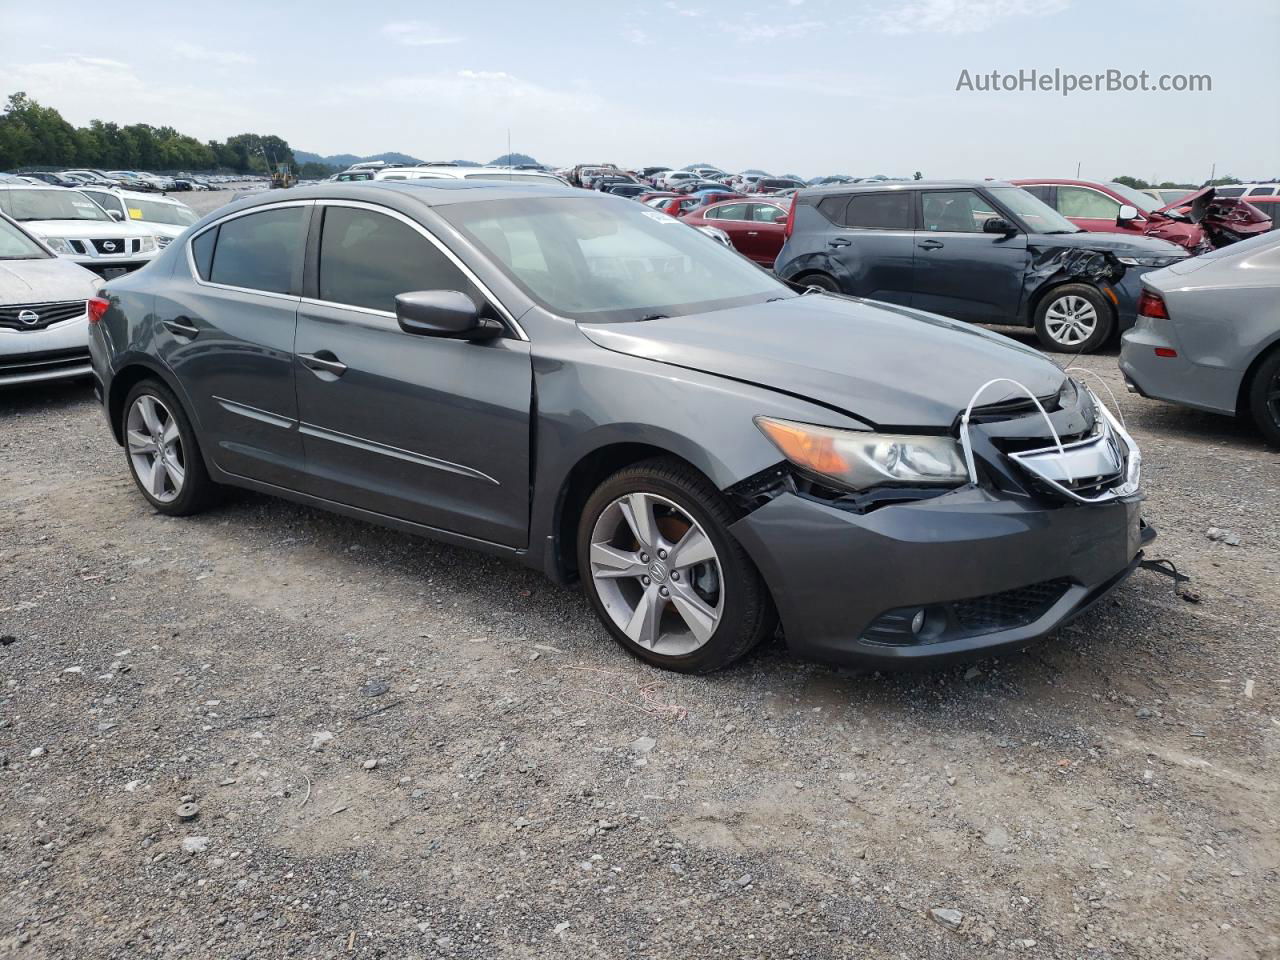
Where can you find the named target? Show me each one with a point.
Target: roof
(401, 193)
(868, 186)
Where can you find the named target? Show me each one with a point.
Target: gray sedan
(579, 383)
(1208, 334)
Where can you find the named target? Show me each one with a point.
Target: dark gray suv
(585, 385)
(979, 251)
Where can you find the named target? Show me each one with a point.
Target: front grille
(46, 361)
(111, 247)
(1012, 608)
(17, 316)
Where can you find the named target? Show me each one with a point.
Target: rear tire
(1264, 398)
(1074, 318)
(162, 452)
(664, 575)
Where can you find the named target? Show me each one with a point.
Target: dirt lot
(401, 749)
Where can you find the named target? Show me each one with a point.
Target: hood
(45, 281)
(104, 229)
(1120, 244)
(886, 365)
(1206, 204)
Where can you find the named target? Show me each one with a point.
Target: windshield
(1036, 215)
(521, 177)
(1143, 201)
(25, 205)
(152, 212)
(601, 260)
(16, 245)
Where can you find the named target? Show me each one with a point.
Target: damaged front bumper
(986, 571)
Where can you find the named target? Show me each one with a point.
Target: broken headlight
(1161, 261)
(861, 459)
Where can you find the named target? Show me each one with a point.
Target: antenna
(508, 146)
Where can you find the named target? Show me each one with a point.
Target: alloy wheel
(1071, 320)
(657, 574)
(155, 448)
(1273, 398)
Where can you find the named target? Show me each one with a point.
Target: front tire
(1264, 398)
(1074, 318)
(821, 281)
(664, 575)
(162, 452)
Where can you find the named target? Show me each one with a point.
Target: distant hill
(511, 159)
(344, 160)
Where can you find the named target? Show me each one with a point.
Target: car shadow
(28, 397)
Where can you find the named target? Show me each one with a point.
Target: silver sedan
(1208, 334)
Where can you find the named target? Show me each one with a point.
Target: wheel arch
(129, 376)
(1038, 297)
(581, 481)
(1246, 381)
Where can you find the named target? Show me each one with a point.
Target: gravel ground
(401, 749)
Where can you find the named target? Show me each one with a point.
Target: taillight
(791, 216)
(97, 307)
(1151, 304)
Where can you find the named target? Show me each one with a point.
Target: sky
(789, 86)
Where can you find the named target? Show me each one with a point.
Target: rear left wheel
(1264, 398)
(162, 451)
(663, 573)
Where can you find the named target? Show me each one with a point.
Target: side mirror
(1128, 213)
(998, 225)
(116, 215)
(442, 313)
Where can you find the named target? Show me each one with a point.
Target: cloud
(476, 92)
(819, 82)
(417, 33)
(751, 31)
(683, 11)
(225, 58)
(959, 16)
(639, 37)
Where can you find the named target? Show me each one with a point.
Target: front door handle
(323, 362)
(838, 242)
(930, 245)
(753, 233)
(182, 327)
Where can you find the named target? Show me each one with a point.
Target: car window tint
(767, 213)
(1040, 193)
(728, 211)
(1262, 192)
(1083, 202)
(1229, 191)
(202, 251)
(955, 211)
(261, 251)
(879, 211)
(833, 208)
(367, 259)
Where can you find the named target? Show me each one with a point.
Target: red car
(1198, 222)
(679, 206)
(756, 228)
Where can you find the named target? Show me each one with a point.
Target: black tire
(1103, 327)
(198, 491)
(748, 614)
(1264, 398)
(821, 281)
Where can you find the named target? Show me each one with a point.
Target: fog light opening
(917, 622)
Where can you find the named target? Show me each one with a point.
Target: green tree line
(34, 135)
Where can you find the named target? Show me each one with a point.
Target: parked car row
(126, 179)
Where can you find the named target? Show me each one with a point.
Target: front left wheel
(664, 575)
(1264, 398)
(1074, 318)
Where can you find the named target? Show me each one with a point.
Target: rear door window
(261, 251)
(728, 211)
(1043, 193)
(879, 211)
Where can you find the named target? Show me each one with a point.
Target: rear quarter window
(261, 251)
(879, 211)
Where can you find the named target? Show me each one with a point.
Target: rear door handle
(319, 363)
(838, 242)
(182, 327)
(753, 233)
(930, 245)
